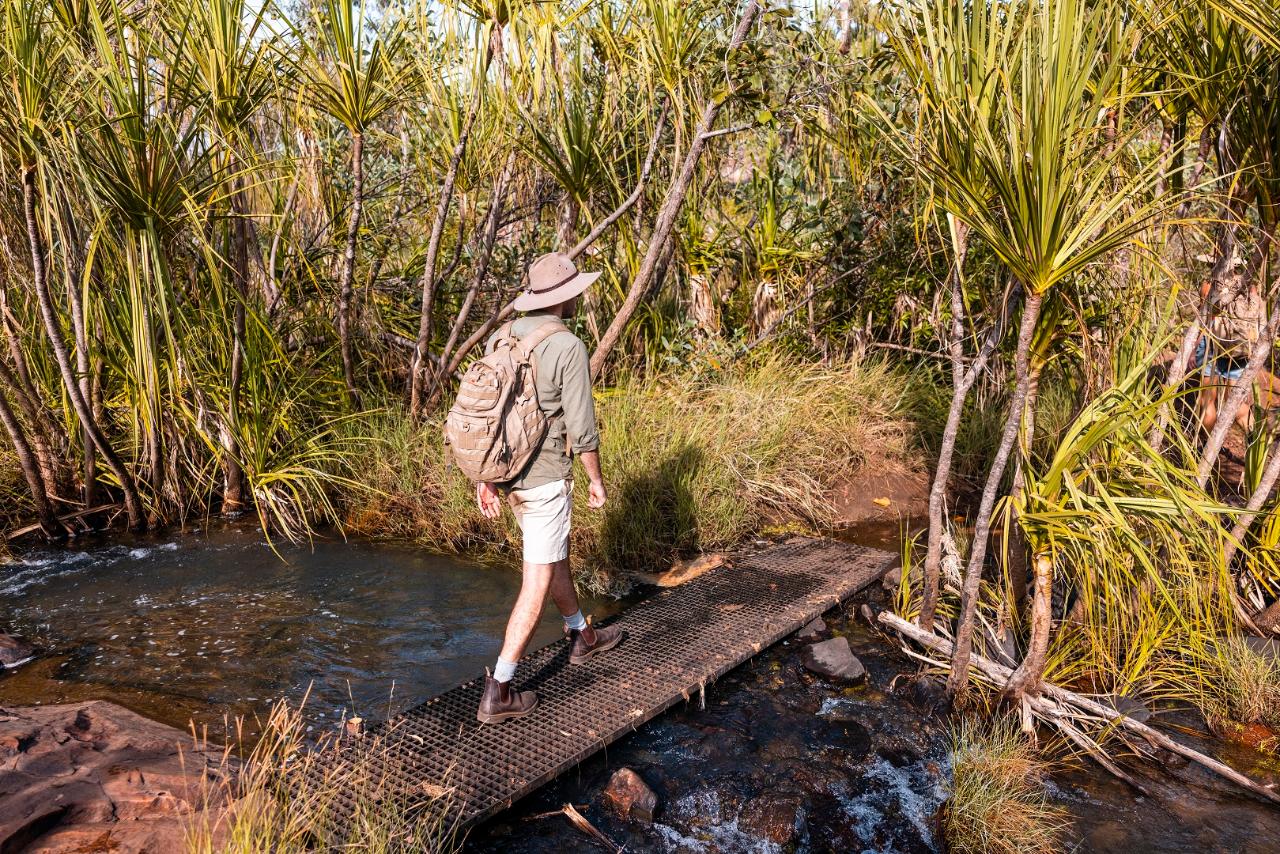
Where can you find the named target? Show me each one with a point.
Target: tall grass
(692, 462)
(284, 795)
(1237, 685)
(997, 802)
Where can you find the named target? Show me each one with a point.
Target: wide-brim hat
(553, 279)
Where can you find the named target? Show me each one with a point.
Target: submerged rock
(834, 659)
(15, 649)
(813, 630)
(630, 797)
(777, 817)
(1130, 708)
(95, 776)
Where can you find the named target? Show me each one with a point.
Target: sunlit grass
(1239, 685)
(284, 795)
(691, 463)
(997, 802)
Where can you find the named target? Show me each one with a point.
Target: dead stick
(1070, 698)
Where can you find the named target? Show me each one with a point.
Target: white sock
(575, 622)
(504, 671)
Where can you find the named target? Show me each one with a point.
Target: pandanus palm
(219, 44)
(355, 77)
(143, 164)
(38, 93)
(1016, 152)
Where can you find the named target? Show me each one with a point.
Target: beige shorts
(545, 514)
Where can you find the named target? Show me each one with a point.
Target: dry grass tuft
(1239, 685)
(283, 802)
(997, 804)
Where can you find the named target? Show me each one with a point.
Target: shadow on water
(652, 516)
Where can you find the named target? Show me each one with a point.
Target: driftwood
(1056, 703)
(67, 517)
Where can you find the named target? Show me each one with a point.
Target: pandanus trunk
(670, 209)
(347, 276)
(1031, 672)
(961, 382)
(30, 470)
(232, 473)
(47, 435)
(972, 583)
(489, 238)
(1242, 388)
(501, 314)
(132, 503)
(419, 364)
(39, 446)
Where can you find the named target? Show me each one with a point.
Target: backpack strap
(502, 337)
(526, 345)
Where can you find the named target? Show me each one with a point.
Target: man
(542, 494)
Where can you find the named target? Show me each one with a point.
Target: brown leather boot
(500, 702)
(589, 641)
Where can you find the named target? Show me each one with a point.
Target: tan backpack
(1238, 321)
(495, 426)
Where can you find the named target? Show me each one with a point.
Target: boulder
(892, 579)
(774, 816)
(1130, 708)
(834, 659)
(1266, 647)
(95, 776)
(14, 650)
(812, 631)
(630, 797)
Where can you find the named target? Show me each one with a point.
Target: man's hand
(596, 494)
(488, 500)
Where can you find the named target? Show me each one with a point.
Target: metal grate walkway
(677, 641)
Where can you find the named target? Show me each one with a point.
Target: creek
(209, 625)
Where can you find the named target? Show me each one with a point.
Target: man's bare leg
(538, 579)
(528, 608)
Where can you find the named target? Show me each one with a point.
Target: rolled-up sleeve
(575, 400)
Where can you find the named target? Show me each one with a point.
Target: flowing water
(212, 624)
(209, 624)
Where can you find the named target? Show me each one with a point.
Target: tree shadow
(651, 518)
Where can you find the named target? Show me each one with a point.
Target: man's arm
(596, 494)
(580, 419)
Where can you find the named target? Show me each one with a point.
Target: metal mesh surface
(676, 642)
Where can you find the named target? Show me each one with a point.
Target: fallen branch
(67, 517)
(1077, 703)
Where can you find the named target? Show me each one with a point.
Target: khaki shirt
(564, 394)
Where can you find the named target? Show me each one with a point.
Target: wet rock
(892, 579)
(14, 650)
(1130, 708)
(630, 797)
(841, 734)
(834, 659)
(812, 631)
(777, 817)
(922, 691)
(97, 777)
(1266, 647)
